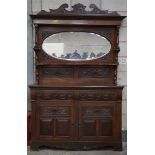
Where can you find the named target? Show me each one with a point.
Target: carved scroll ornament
(78, 9)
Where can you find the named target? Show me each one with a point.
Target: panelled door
(55, 120)
(96, 120)
(80, 120)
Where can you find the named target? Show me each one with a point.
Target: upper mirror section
(76, 46)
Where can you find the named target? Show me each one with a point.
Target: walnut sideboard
(75, 102)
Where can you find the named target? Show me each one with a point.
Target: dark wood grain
(76, 104)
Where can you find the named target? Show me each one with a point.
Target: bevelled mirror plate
(76, 46)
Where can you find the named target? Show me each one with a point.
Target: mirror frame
(46, 31)
(99, 36)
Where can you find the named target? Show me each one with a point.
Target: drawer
(103, 95)
(99, 111)
(54, 111)
(96, 72)
(57, 72)
(55, 108)
(103, 75)
(47, 94)
(77, 93)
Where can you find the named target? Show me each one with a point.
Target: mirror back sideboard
(76, 102)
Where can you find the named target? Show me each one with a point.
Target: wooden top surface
(73, 87)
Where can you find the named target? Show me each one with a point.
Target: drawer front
(76, 75)
(55, 75)
(83, 95)
(99, 111)
(103, 75)
(100, 95)
(48, 112)
(92, 72)
(44, 94)
(57, 72)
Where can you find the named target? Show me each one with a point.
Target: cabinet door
(55, 120)
(96, 120)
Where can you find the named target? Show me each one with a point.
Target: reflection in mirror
(76, 46)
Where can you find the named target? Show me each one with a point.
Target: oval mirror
(77, 46)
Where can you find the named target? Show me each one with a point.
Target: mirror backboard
(76, 46)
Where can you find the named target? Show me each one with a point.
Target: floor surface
(92, 152)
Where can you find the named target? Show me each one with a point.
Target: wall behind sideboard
(120, 6)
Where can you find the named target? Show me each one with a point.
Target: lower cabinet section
(55, 120)
(58, 127)
(46, 127)
(105, 127)
(97, 120)
(63, 127)
(76, 124)
(96, 128)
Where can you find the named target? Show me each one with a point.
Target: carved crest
(78, 9)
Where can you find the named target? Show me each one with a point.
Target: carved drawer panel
(57, 72)
(95, 72)
(71, 94)
(99, 95)
(53, 95)
(97, 111)
(49, 112)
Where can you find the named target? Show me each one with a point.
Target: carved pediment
(78, 9)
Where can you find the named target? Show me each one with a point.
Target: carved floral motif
(82, 95)
(52, 111)
(54, 95)
(95, 72)
(98, 111)
(58, 72)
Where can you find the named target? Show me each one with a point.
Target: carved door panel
(55, 120)
(96, 120)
